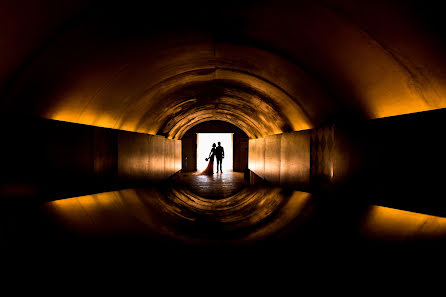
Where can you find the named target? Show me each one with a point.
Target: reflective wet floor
(216, 186)
(260, 223)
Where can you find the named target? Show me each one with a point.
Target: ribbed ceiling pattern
(267, 67)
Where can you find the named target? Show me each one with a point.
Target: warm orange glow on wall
(71, 117)
(105, 213)
(390, 224)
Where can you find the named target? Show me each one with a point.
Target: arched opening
(239, 145)
(205, 141)
(217, 185)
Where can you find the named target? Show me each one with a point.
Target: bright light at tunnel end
(204, 145)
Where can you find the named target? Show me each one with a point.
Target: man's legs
(219, 161)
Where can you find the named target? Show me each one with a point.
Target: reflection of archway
(240, 144)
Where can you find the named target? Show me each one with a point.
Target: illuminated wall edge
(395, 162)
(67, 160)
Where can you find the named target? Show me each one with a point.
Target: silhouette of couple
(219, 154)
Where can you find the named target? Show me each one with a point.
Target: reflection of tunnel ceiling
(265, 66)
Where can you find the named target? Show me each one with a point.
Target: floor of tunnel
(268, 223)
(215, 186)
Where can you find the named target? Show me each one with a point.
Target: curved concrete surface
(296, 65)
(267, 67)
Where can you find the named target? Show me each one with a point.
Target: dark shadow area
(171, 228)
(397, 162)
(46, 160)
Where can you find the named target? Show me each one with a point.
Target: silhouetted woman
(210, 168)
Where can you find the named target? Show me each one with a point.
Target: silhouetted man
(219, 154)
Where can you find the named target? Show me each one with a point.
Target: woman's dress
(210, 168)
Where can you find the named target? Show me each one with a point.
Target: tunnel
(336, 109)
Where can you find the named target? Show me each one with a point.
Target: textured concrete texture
(251, 155)
(178, 154)
(282, 159)
(167, 73)
(147, 157)
(384, 156)
(273, 158)
(133, 156)
(57, 159)
(156, 157)
(169, 157)
(95, 95)
(259, 157)
(295, 159)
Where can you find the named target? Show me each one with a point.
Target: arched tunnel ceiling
(265, 66)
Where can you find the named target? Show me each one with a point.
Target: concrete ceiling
(265, 66)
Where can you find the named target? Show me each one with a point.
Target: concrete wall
(282, 159)
(156, 154)
(143, 157)
(323, 155)
(133, 156)
(252, 155)
(178, 151)
(169, 157)
(397, 162)
(273, 157)
(259, 157)
(405, 161)
(295, 160)
(189, 153)
(51, 159)
(327, 158)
